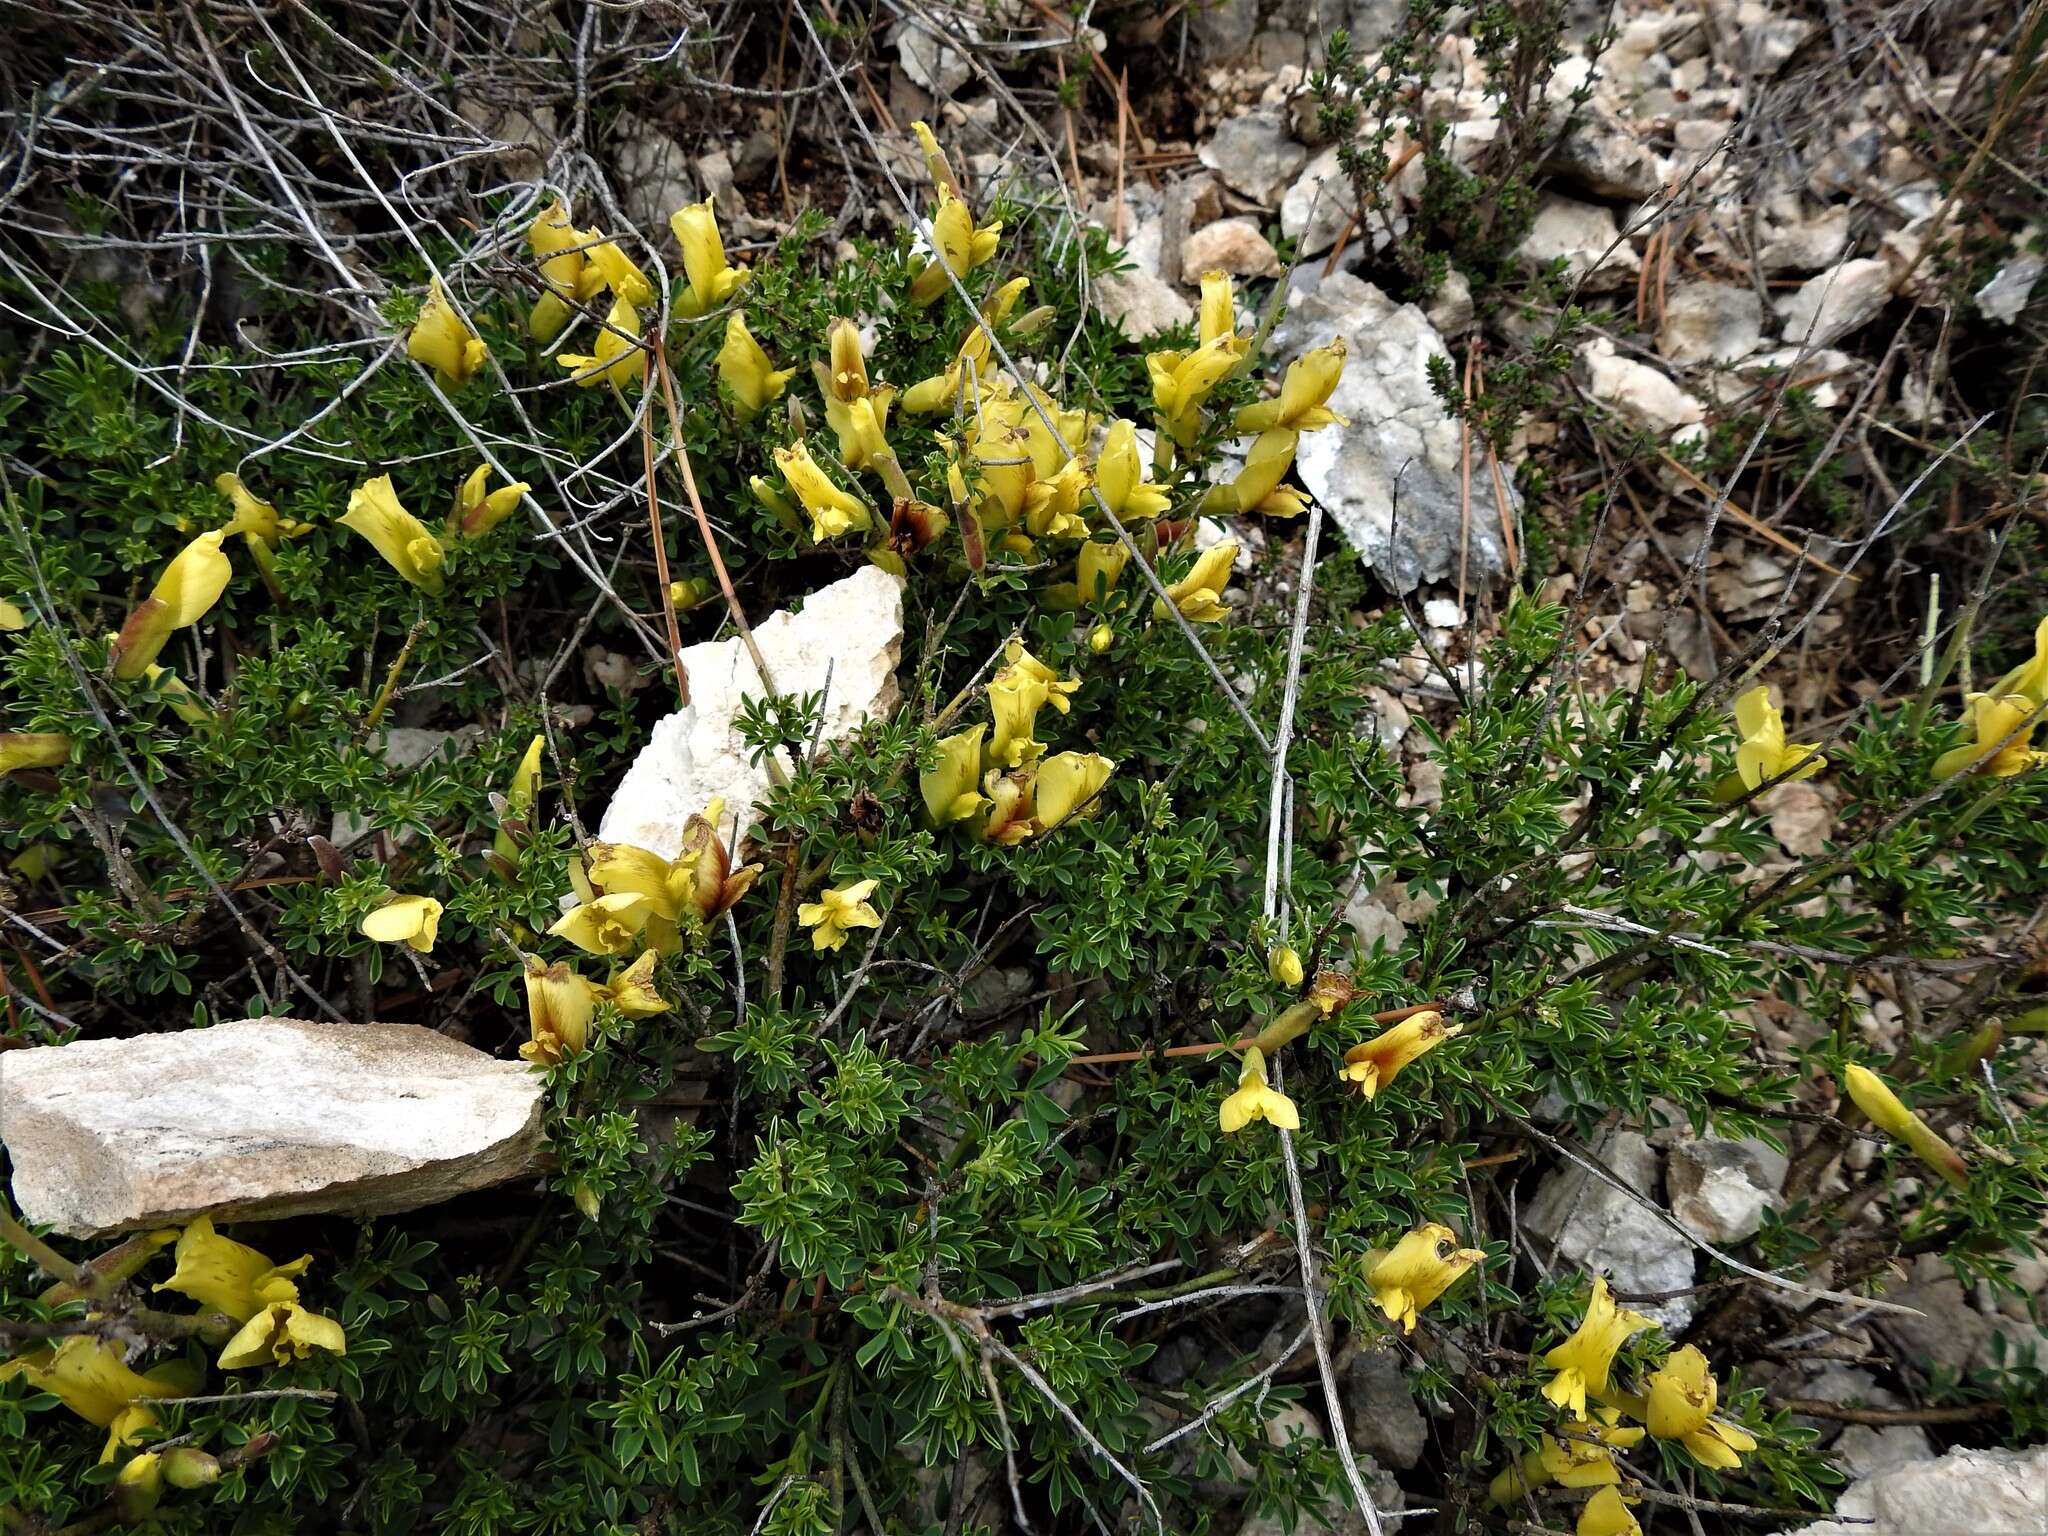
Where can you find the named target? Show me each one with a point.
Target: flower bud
(1284, 965)
(187, 1466)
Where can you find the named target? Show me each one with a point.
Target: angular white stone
(1255, 155)
(1984, 1493)
(260, 1118)
(1636, 390)
(1586, 237)
(1833, 303)
(1595, 1225)
(851, 630)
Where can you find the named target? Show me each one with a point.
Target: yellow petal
(409, 920)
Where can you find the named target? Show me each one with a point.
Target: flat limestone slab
(260, 1118)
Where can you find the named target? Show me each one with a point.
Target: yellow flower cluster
(995, 775)
(236, 1287)
(1677, 1404)
(634, 899)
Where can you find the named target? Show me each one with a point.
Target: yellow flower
(856, 411)
(1019, 662)
(1682, 1395)
(2030, 678)
(187, 1466)
(1257, 487)
(958, 245)
(1014, 699)
(1120, 476)
(1068, 786)
(1764, 753)
(1217, 319)
(186, 591)
(91, 1378)
(1581, 1457)
(1605, 1514)
(442, 340)
(1283, 964)
(559, 1006)
(711, 278)
(949, 786)
(1416, 1271)
(1001, 448)
(375, 512)
(11, 617)
(939, 392)
(746, 370)
(609, 925)
(1375, 1063)
(689, 891)
(617, 358)
(832, 510)
(1992, 720)
(139, 1486)
(714, 887)
(1874, 1096)
(1305, 391)
(607, 266)
(1583, 1360)
(558, 245)
(838, 910)
(228, 1276)
(1009, 809)
(1199, 594)
(258, 522)
(1720, 1445)
(1253, 1100)
(409, 920)
(1098, 568)
(1181, 381)
(519, 798)
(477, 513)
(632, 990)
(1052, 505)
(32, 749)
(280, 1335)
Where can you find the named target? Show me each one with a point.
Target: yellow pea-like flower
(746, 370)
(259, 523)
(91, 1377)
(1257, 487)
(1606, 1514)
(1283, 964)
(519, 797)
(228, 1276)
(616, 357)
(837, 912)
(1874, 1096)
(443, 341)
(1583, 1361)
(606, 265)
(632, 991)
(1305, 392)
(281, 1335)
(184, 594)
(1680, 1406)
(1199, 594)
(375, 512)
(11, 618)
(2030, 678)
(1253, 1100)
(1764, 753)
(951, 786)
(2003, 745)
(32, 749)
(1216, 319)
(413, 921)
(478, 511)
(559, 1006)
(557, 244)
(1120, 477)
(959, 245)
(711, 277)
(1416, 1271)
(1374, 1063)
(833, 511)
(1068, 786)
(609, 925)
(1098, 568)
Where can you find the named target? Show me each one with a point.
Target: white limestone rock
(1595, 1225)
(931, 60)
(1721, 1189)
(654, 173)
(260, 1118)
(2006, 295)
(1985, 1493)
(1588, 240)
(1229, 245)
(1831, 304)
(1707, 322)
(1636, 390)
(1316, 208)
(1390, 478)
(1254, 154)
(852, 630)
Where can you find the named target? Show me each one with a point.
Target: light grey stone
(1808, 245)
(1950, 1332)
(1316, 208)
(1451, 311)
(654, 174)
(1255, 155)
(1142, 302)
(1831, 304)
(1399, 457)
(1584, 235)
(2005, 296)
(844, 645)
(931, 60)
(1385, 1422)
(1600, 156)
(1721, 1189)
(1229, 245)
(1965, 1493)
(260, 1118)
(1642, 394)
(1223, 29)
(1595, 1225)
(1708, 322)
